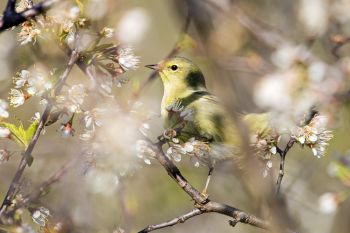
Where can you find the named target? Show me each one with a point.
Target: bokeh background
(257, 56)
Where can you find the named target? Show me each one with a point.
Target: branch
(180, 219)
(11, 18)
(27, 154)
(202, 203)
(283, 154)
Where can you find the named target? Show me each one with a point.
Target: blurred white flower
(4, 132)
(21, 78)
(24, 228)
(133, 26)
(16, 98)
(272, 92)
(317, 71)
(127, 59)
(74, 12)
(314, 16)
(315, 135)
(288, 54)
(3, 109)
(144, 151)
(73, 99)
(107, 32)
(38, 84)
(328, 203)
(86, 136)
(102, 181)
(93, 119)
(40, 216)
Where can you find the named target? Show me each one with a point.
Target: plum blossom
(314, 135)
(127, 59)
(16, 98)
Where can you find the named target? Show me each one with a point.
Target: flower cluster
(26, 85)
(72, 99)
(198, 151)
(144, 151)
(314, 135)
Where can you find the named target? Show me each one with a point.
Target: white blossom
(4, 132)
(328, 203)
(127, 59)
(133, 26)
(16, 98)
(40, 216)
(21, 78)
(314, 135)
(38, 84)
(92, 119)
(3, 109)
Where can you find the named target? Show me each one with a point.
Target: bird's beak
(153, 67)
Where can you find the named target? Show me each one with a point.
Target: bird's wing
(212, 121)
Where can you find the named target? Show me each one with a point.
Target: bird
(184, 83)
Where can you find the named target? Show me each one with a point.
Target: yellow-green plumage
(184, 83)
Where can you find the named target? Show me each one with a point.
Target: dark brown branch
(27, 154)
(283, 154)
(11, 18)
(203, 204)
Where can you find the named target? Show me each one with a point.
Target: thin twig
(27, 154)
(11, 18)
(180, 219)
(283, 154)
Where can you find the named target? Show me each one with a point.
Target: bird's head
(179, 72)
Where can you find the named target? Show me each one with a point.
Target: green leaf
(18, 134)
(31, 130)
(21, 136)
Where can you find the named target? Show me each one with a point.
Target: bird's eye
(173, 67)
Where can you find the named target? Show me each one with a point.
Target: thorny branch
(27, 154)
(202, 203)
(11, 18)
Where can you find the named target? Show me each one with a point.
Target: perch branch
(202, 203)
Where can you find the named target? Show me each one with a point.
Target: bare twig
(202, 203)
(283, 154)
(180, 219)
(27, 154)
(11, 18)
